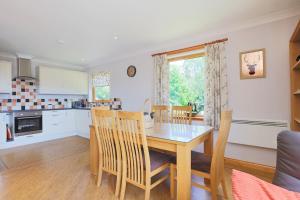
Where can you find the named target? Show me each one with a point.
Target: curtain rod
(199, 46)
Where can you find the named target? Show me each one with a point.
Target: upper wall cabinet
(5, 77)
(62, 81)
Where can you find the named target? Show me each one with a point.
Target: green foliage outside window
(187, 82)
(102, 92)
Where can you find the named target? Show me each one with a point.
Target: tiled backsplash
(24, 97)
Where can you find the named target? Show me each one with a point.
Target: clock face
(131, 71)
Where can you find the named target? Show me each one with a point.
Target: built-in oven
(27, 123)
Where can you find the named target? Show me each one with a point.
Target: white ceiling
(88, 27)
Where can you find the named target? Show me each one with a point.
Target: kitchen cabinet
(62, 81)
(4, 119)
(83, 120)
(59, 122)
(5, 77)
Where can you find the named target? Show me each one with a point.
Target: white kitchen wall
(266, 98)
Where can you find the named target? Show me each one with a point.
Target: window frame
(189, 55)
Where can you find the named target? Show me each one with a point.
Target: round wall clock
(131, 71)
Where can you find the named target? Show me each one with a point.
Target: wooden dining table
(177, 138)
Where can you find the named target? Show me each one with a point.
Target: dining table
(180, 139)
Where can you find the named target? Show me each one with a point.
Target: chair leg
(123, 189)
(118, 183)
(172, 181)
(147, 192)
(224, 188)
(99, 177)
(214, 191)
(123, 181)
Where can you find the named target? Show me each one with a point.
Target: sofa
(287, 174)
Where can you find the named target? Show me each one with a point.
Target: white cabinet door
(5, 77)
(2, 128)
(69, 121)
(82, 83)
(59, 121)
(62, 81)
(83, 121)
(50, 80)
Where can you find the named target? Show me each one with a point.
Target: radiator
(260, 133)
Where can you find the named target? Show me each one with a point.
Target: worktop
(12, 111)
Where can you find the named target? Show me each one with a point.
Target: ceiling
(81, 32)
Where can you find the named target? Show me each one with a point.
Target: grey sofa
(287, 173)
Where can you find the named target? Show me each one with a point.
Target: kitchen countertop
(44, 110)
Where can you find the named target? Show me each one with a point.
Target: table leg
(183, 172)
(208, 149)
(209, 144)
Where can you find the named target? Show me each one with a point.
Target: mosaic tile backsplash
(24, 97)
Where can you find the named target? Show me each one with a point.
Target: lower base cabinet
(83, 120)
(56, 124)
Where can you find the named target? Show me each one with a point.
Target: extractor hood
(24, 68)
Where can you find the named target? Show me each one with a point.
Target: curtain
(101, 79)
(216, 86)
(161, 80)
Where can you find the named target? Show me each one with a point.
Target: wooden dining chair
(104, 122)
(161, 113)
(181, 114)
(139, 164)
(210, 168)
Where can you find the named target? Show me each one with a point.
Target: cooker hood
(24, 68)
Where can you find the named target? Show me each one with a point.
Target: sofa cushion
(248, 187)
(287, 173)
(199, 161)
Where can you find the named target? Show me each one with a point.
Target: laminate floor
(59, 170)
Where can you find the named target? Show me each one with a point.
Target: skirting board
(250, 167)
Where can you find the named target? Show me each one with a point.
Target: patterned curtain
(101, 79)
(161, 80)
(216, 86)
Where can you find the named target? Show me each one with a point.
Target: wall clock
(131, 71)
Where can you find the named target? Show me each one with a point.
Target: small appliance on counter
(83, 103)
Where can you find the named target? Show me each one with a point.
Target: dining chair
(104, 122)
(161, 113)
(139, 164)
(207, 167)
(181, 114)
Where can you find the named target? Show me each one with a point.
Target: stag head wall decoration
(252, 64)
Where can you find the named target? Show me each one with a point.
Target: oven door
(28, 125)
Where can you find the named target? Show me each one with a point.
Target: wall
(266, 98)
(132, 91)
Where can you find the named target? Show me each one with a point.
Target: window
(101, 86)
(187, 81)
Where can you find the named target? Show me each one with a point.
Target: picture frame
(253, 64)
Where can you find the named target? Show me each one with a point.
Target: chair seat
(199, 161)
(158, 159)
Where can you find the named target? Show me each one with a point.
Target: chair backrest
(100, 108)
(181, 114)
(217, 165)
(104, 122)
(161, 113)
(134, 148)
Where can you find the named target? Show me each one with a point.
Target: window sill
(198, 118)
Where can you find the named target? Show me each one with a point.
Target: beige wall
(266, 98)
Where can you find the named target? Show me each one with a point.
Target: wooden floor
(59, 170)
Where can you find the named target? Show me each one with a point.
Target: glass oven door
(28, 125)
